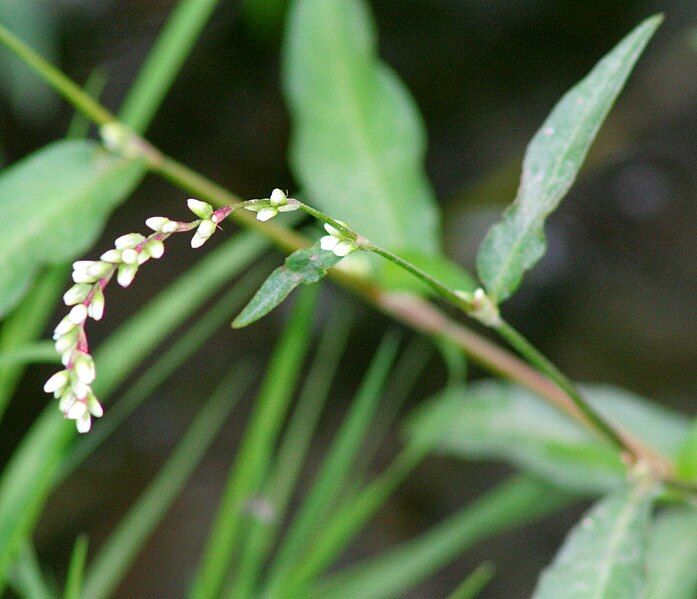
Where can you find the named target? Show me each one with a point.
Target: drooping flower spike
(86, 298)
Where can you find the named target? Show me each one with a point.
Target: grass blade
(514, 502)
(127, 540)
(164, 61)
(76, 570)
(40, 352)
(27, 579)
(335, 468)
(254, 456)
(474, 583)
(26, 323)
(31, 472)
(292, 451)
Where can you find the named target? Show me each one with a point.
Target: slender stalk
(408, 308)
(56, 79)
(544, 365)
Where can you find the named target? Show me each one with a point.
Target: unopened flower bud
(204, 231)
(78, 314)
(100, 269)
(76, 294)
(199, 208)
(143, 257)
(82, 276)
(170, 227)
(126, 274)
(278, 198)
(84, 368)
(67, 341)
(129, 240)
(64, 326)
(76, 410)
(155, 248)
(111, 256)
(93, 406)
(129, 256)
(67, 400)
(84, 423)
(83, 264)
(157, 222)
(96, 308)
(57, 382)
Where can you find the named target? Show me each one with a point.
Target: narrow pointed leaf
(358, 142)
(305, 266)
(76, 570)
(129, 537)
(54, 205)
(392, 573)
(255, 454)
(603, 556)
(672, 555)
(552, 161)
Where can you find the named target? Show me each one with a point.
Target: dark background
(614, 299)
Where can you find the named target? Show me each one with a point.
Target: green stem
(544, 365)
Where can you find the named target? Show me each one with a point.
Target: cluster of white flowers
(337, 242)
(277, 202)
(73, 384)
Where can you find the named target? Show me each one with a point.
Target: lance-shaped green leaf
(54, 205)
(686, 463)
(672, 555)
(499, 420)
(552, 161)
(358, 143)
(603, 556)
(305, 266)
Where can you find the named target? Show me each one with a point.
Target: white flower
(129, 256)
(99, 269)
(126, 274)
(204, 231)
(130, 240)
(84, 423)
(336, 242)
(155, 248)
(199, 208)
(94, 407)
(278, 198)
(84, 368)
(76, 410)
(82, 276)
(111, 256)
(57, 382)
(96, 308)
(67, 341)
(77, 314)
(157, 222)
(170, 227)
(266, 213)
(76, 294)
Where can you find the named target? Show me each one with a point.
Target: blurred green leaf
(672, 555)
(552, 161)
(292, 452)
(603, 556)
(76, 570)
(33, 467)
(305, 266)
(26, 322)
(35, 21)
(686, 464)
(254, 456)
(128, 538)
(54, 205)
(334, 471)
(358, 143)
(391, 574)
(502, 421)
(27, 579)
(31, 353)
(474, 583)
